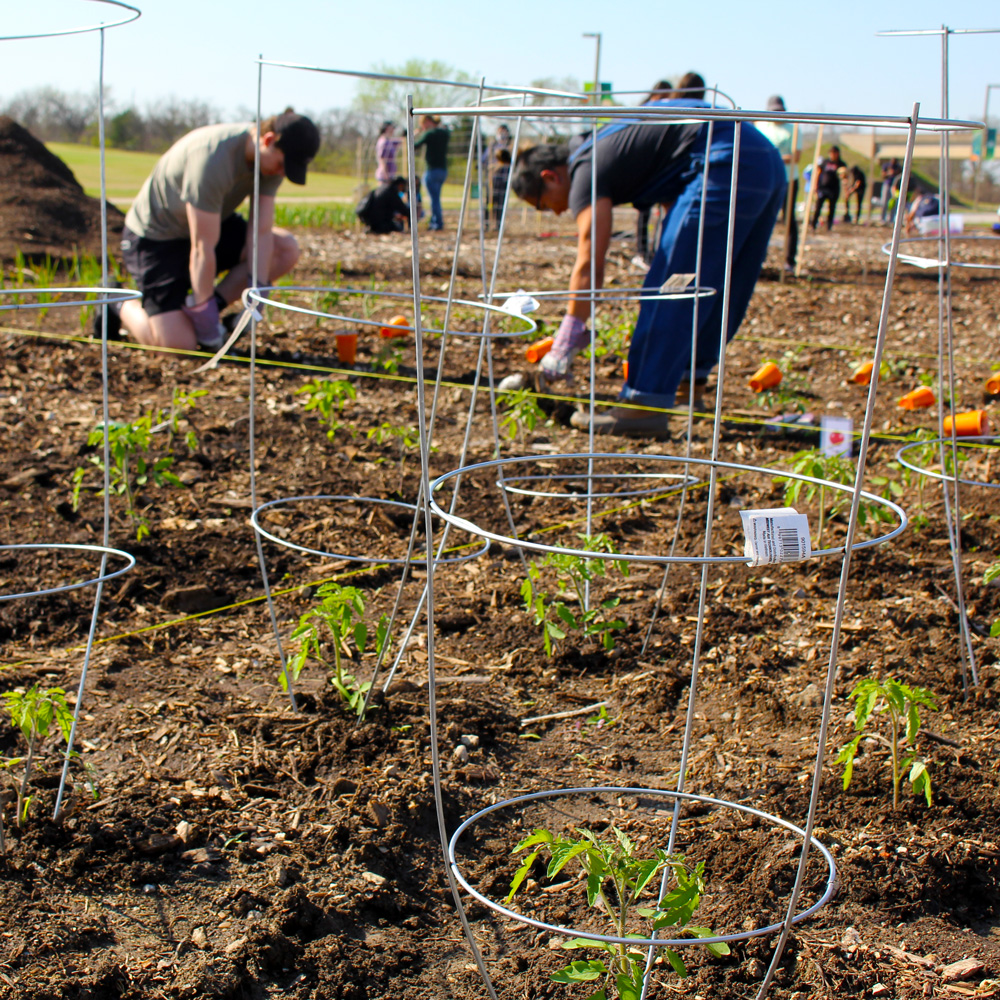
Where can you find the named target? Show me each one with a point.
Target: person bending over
(182, 232)
(385, 209)
(648, 164)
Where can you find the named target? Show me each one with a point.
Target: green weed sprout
(521, 415)
(33, 712)
(898, 702)
(992, 573)
(553, 613)
(407, 435)
(616, 879)
(612, 338)
(327, 398)
(339, 616)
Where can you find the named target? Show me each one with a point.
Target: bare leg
(284, 255)
(170, 329)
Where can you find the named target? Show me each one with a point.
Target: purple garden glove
(571, 338)
(205, 320)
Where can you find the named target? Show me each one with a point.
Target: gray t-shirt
(206, 168)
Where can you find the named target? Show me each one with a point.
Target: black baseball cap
(298, 139)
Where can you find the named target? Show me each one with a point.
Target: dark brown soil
(239, 850)
(43, 210)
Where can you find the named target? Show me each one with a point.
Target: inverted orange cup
(974, 423)
(388, 332)
(625, 370)
(766, 377)
(863, 375)
(918, 399)
(538, 350)
(993, 385)
(347, 347)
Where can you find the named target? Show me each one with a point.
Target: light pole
(982, 149)
(597, 65)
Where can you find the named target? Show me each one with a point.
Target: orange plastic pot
(390, 331)
(347, 347)
(918, 399)
(766, 377)
(972, 424)
(538, 350)
(993, 385)
(863, 375)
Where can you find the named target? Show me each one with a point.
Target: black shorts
(161, 268)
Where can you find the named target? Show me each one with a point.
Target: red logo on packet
(836, 437)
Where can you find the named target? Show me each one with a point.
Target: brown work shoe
(625, 420)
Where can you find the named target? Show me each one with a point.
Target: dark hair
(661, 91)
(400, 182)
(527, 179)
(690, 85)
(503, 156)
(835, 149)
(385, 127)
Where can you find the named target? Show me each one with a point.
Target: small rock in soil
(461, 754)
(880, 990)
(199, 938)
(344, 786)
(185, 831)
(850, 939)
(470, 741)
(965, 969)
(373, 879)
(191, 600)
(809, 697)
(234, 946)
(379, 812)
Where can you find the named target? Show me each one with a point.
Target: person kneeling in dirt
(648, 164)
(384, 210)
(182, 231)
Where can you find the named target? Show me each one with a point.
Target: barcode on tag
(677, 282)
(775, 535)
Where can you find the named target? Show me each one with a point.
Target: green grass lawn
(126, 170)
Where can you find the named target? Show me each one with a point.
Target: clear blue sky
(821, 57)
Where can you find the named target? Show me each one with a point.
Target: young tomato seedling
(341, 611)
(898, 702)
(617, 878)
(554, 614)
(327, 398)
(34, 713)
(521, 415)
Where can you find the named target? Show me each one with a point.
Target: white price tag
(677, 282)
(520, 302)
(835, 436)
(775, 535)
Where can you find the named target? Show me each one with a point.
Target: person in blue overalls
(647, 163)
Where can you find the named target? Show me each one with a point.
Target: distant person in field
(857, 184)
(828, 187)
(891, 173)
(384, 210)
(434, 137)
(780, 133)
(501, 171)
(923, 206)
(183, 233)
(647, 164)
(386, 146)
